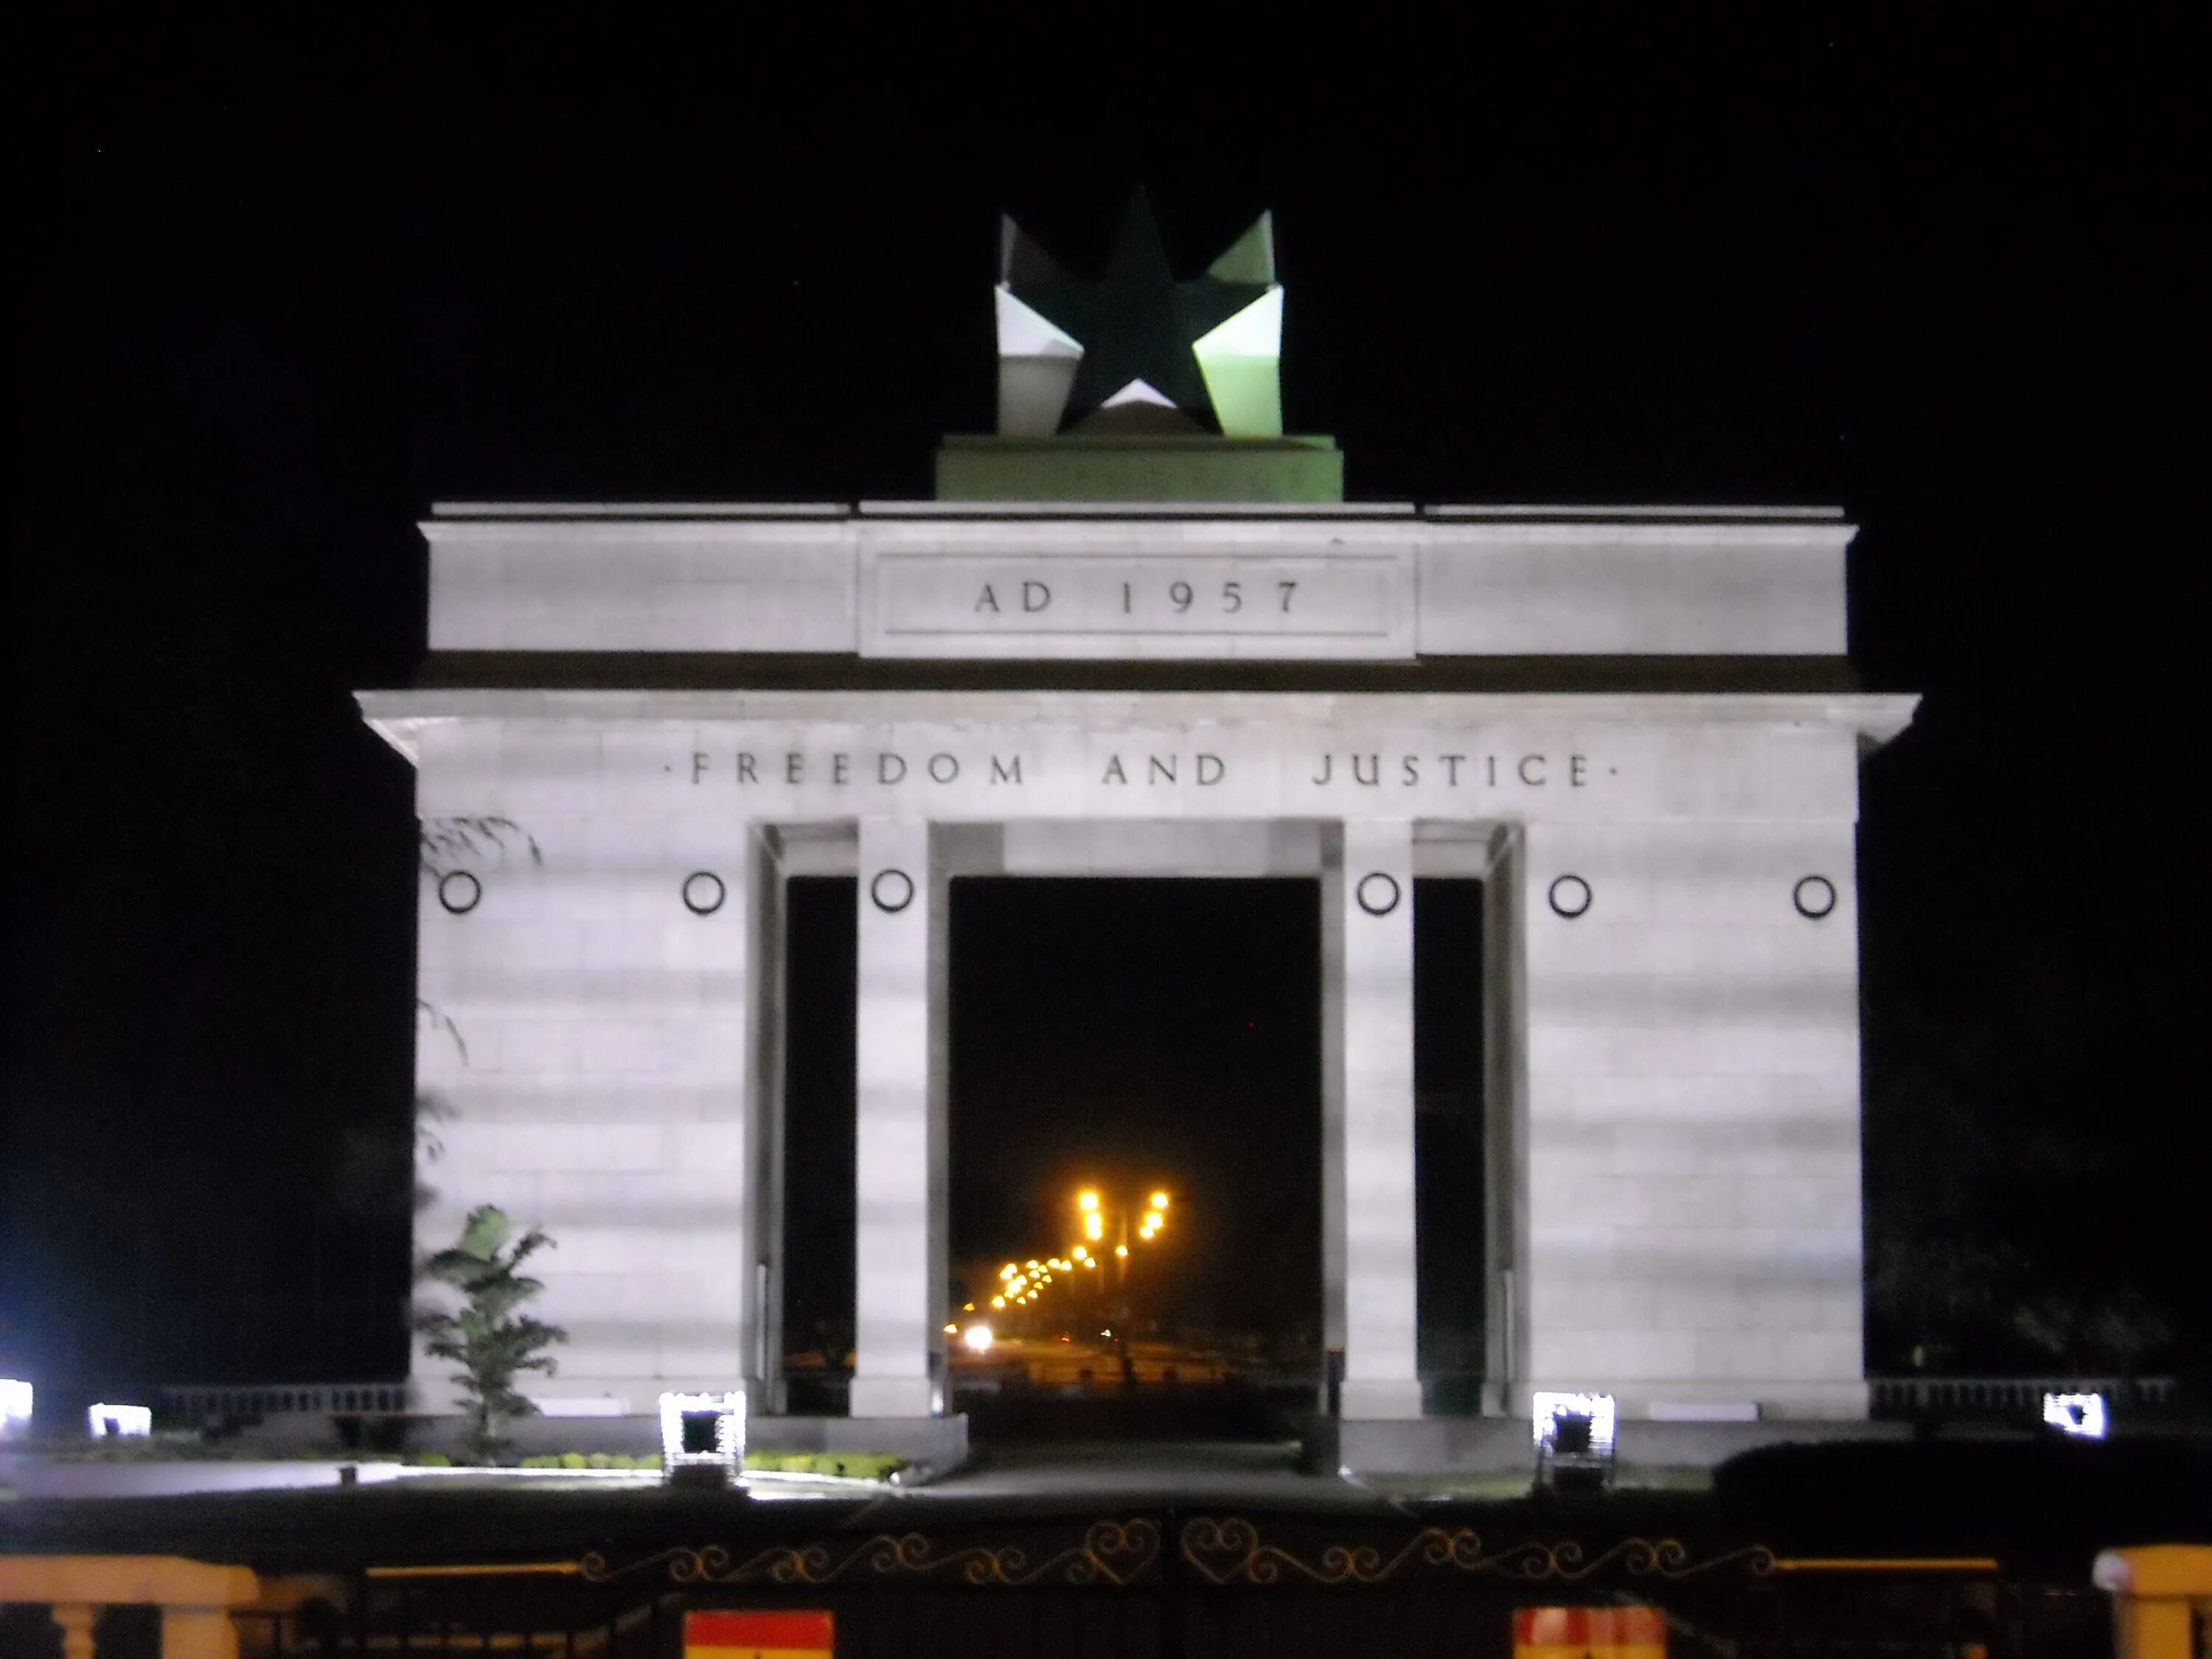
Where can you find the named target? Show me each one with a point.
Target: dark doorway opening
(1130, 1037)
(821, 992)
(1449, 1193)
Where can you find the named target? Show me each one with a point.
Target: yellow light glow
(1094, 1227)
(967, 1307)
(1088, 1262)
(1031, 1264)
(1088, 1200)
(1121, 1250)
(1081, 1253)
(978, 1339)
(951, 1330)
(1008, 1270)
(998, 1302)
(1159, 1200)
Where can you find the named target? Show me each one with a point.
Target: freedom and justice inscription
(1572, 759)
(1372, 770)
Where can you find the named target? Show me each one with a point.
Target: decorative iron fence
(266, 1399)
(2011, 1396)
(1142, 1585)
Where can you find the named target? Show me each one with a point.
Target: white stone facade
(1373, 583)
(1672, 975)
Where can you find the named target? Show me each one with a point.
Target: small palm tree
(488, 1338)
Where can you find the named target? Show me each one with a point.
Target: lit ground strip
(1885, 1564)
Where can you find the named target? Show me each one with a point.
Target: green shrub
(490, 1339)
(576, 1460)
(863, 1465)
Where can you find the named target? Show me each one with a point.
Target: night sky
(282, 285)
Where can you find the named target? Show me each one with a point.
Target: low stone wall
(1501, 1445)
(36, 1477)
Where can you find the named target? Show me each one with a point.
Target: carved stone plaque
(1200, 603)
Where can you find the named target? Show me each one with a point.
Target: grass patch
(857, 1465)
(191, 1447)
(593, 1461)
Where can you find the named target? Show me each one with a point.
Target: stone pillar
(1376, 918)
(2156, 1591)
(1332, 1120)
(75, 1620)
(1504, 1119)
(197, 1634)
(766, 950)
(895, 1302)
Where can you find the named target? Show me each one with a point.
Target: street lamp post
(1093, 1210)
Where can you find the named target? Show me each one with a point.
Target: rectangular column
(1376, 917)
(1694, 1235)
(894, 1303)
(765, 1145)
(1332, 1118)
(1504, 1119)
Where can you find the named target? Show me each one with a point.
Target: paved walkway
(1147, 1473)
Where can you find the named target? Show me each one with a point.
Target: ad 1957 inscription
(1185, 602)
(1138, 596)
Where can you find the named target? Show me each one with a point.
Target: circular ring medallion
(1813, 895)
(1377, 893)
(459, 891)
(703, 892)
(1570, 896)
(891, 891)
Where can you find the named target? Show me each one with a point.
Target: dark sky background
(283, 281)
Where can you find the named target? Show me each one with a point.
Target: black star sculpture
(1137, 322)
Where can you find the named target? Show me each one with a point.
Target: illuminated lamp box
(105, 1422)
(703, 1438)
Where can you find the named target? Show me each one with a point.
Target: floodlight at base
(2082, 1415)
(702, 1431)
(101, 1421)
(15, 1405)
(1597, 1409)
